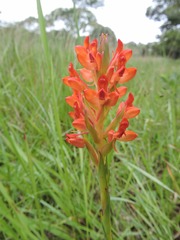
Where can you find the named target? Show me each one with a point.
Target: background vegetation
(167, 11)
(48, 189)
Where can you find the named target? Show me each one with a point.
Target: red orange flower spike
(96, 89)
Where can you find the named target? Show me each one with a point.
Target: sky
(125, 17)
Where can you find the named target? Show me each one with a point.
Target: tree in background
(167, 11)
(84, 19)
(77, 21)
(79, 18)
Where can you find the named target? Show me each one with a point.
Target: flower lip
(102, 94)
(103, 82)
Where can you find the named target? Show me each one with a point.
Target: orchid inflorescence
(95, 91)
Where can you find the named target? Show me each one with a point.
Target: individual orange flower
(88, 55)
(73, 80)
(122, 134)
(129, 110)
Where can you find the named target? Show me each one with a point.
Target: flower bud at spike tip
(104, 50)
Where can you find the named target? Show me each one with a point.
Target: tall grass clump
(48, 189)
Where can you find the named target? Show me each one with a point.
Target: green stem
(103, 174)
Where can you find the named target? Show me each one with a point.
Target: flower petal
(119, 46)
(127, 53)
(85, 58)
(72, 71)
(113, 98)
(131, 112)
(86, 42)
(128, 74)
(91, 96)
(129, 100)
(128, 136)
(79, 124)
(75, 83)
(121, 91)
(75, 140)
(87, 74)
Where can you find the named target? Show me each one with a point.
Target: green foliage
(48, 189)
(167, 11)
(75, 20)
(88, 3)
(169, 44)
(78, 19)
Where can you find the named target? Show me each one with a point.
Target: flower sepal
(93, 153)
(91, 129)
(76, 140)
(106, 148)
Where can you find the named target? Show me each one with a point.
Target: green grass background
(48, 189)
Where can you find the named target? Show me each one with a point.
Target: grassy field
(48, 189)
